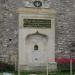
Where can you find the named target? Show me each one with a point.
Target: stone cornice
(36, 10)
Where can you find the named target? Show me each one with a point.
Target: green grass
(42, 73)
(32, 72)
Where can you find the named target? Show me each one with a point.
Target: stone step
(38, 68)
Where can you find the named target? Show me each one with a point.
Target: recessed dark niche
(36, 59)
(10, 39)
(36, 47)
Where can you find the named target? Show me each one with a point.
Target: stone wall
(65, 24)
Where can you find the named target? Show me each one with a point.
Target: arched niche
(36, 45)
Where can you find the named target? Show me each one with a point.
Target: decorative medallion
(37, 3)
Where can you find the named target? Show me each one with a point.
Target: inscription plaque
(38, 23)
